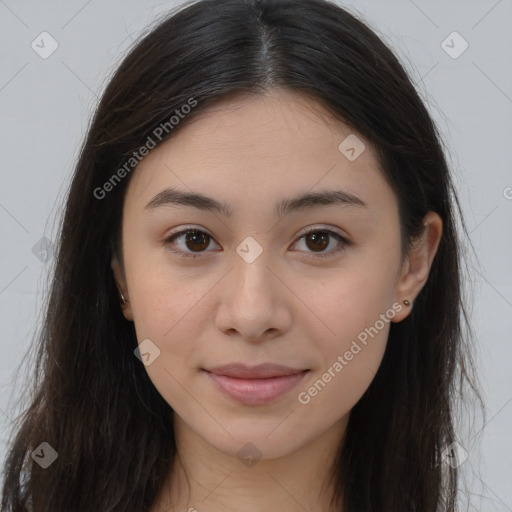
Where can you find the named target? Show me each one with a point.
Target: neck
(206, 478)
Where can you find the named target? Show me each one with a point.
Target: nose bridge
(251, 271)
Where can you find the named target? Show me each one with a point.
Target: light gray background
(46, 105)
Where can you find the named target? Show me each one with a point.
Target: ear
(120, 279)
(416, 268)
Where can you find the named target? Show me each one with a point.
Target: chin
(249, 437)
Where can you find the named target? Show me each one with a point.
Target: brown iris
(320, 240)
(197, 238)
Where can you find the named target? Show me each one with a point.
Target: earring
(406, 302)
(123, 300)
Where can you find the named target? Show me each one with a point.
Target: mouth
(255, 385)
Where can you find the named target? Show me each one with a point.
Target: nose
(254, 302)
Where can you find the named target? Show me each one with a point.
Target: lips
(255, 385)
(261, 371)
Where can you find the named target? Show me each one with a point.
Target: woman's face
(256, 289)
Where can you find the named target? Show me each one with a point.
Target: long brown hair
(92, 400)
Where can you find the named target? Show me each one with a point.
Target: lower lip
(256, 391)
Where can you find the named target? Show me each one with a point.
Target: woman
(257, 296)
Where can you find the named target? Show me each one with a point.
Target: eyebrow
(172, 197)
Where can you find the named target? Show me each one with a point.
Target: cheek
(171, 314)
(162, 297)
(353, 313)
(169, 310)
(354, 342)
(350, 359)
(347, 302)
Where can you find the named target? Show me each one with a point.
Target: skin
(284, 307)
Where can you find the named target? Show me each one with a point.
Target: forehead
(276, 124)
(253, 148)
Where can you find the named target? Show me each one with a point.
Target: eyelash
(343, 242)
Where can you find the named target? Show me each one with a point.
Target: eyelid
(319, 227)
(187, 227)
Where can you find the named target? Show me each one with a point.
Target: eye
(192, 242)
(319, 239)
(194, 239)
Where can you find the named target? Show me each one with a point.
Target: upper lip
(260, 371)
